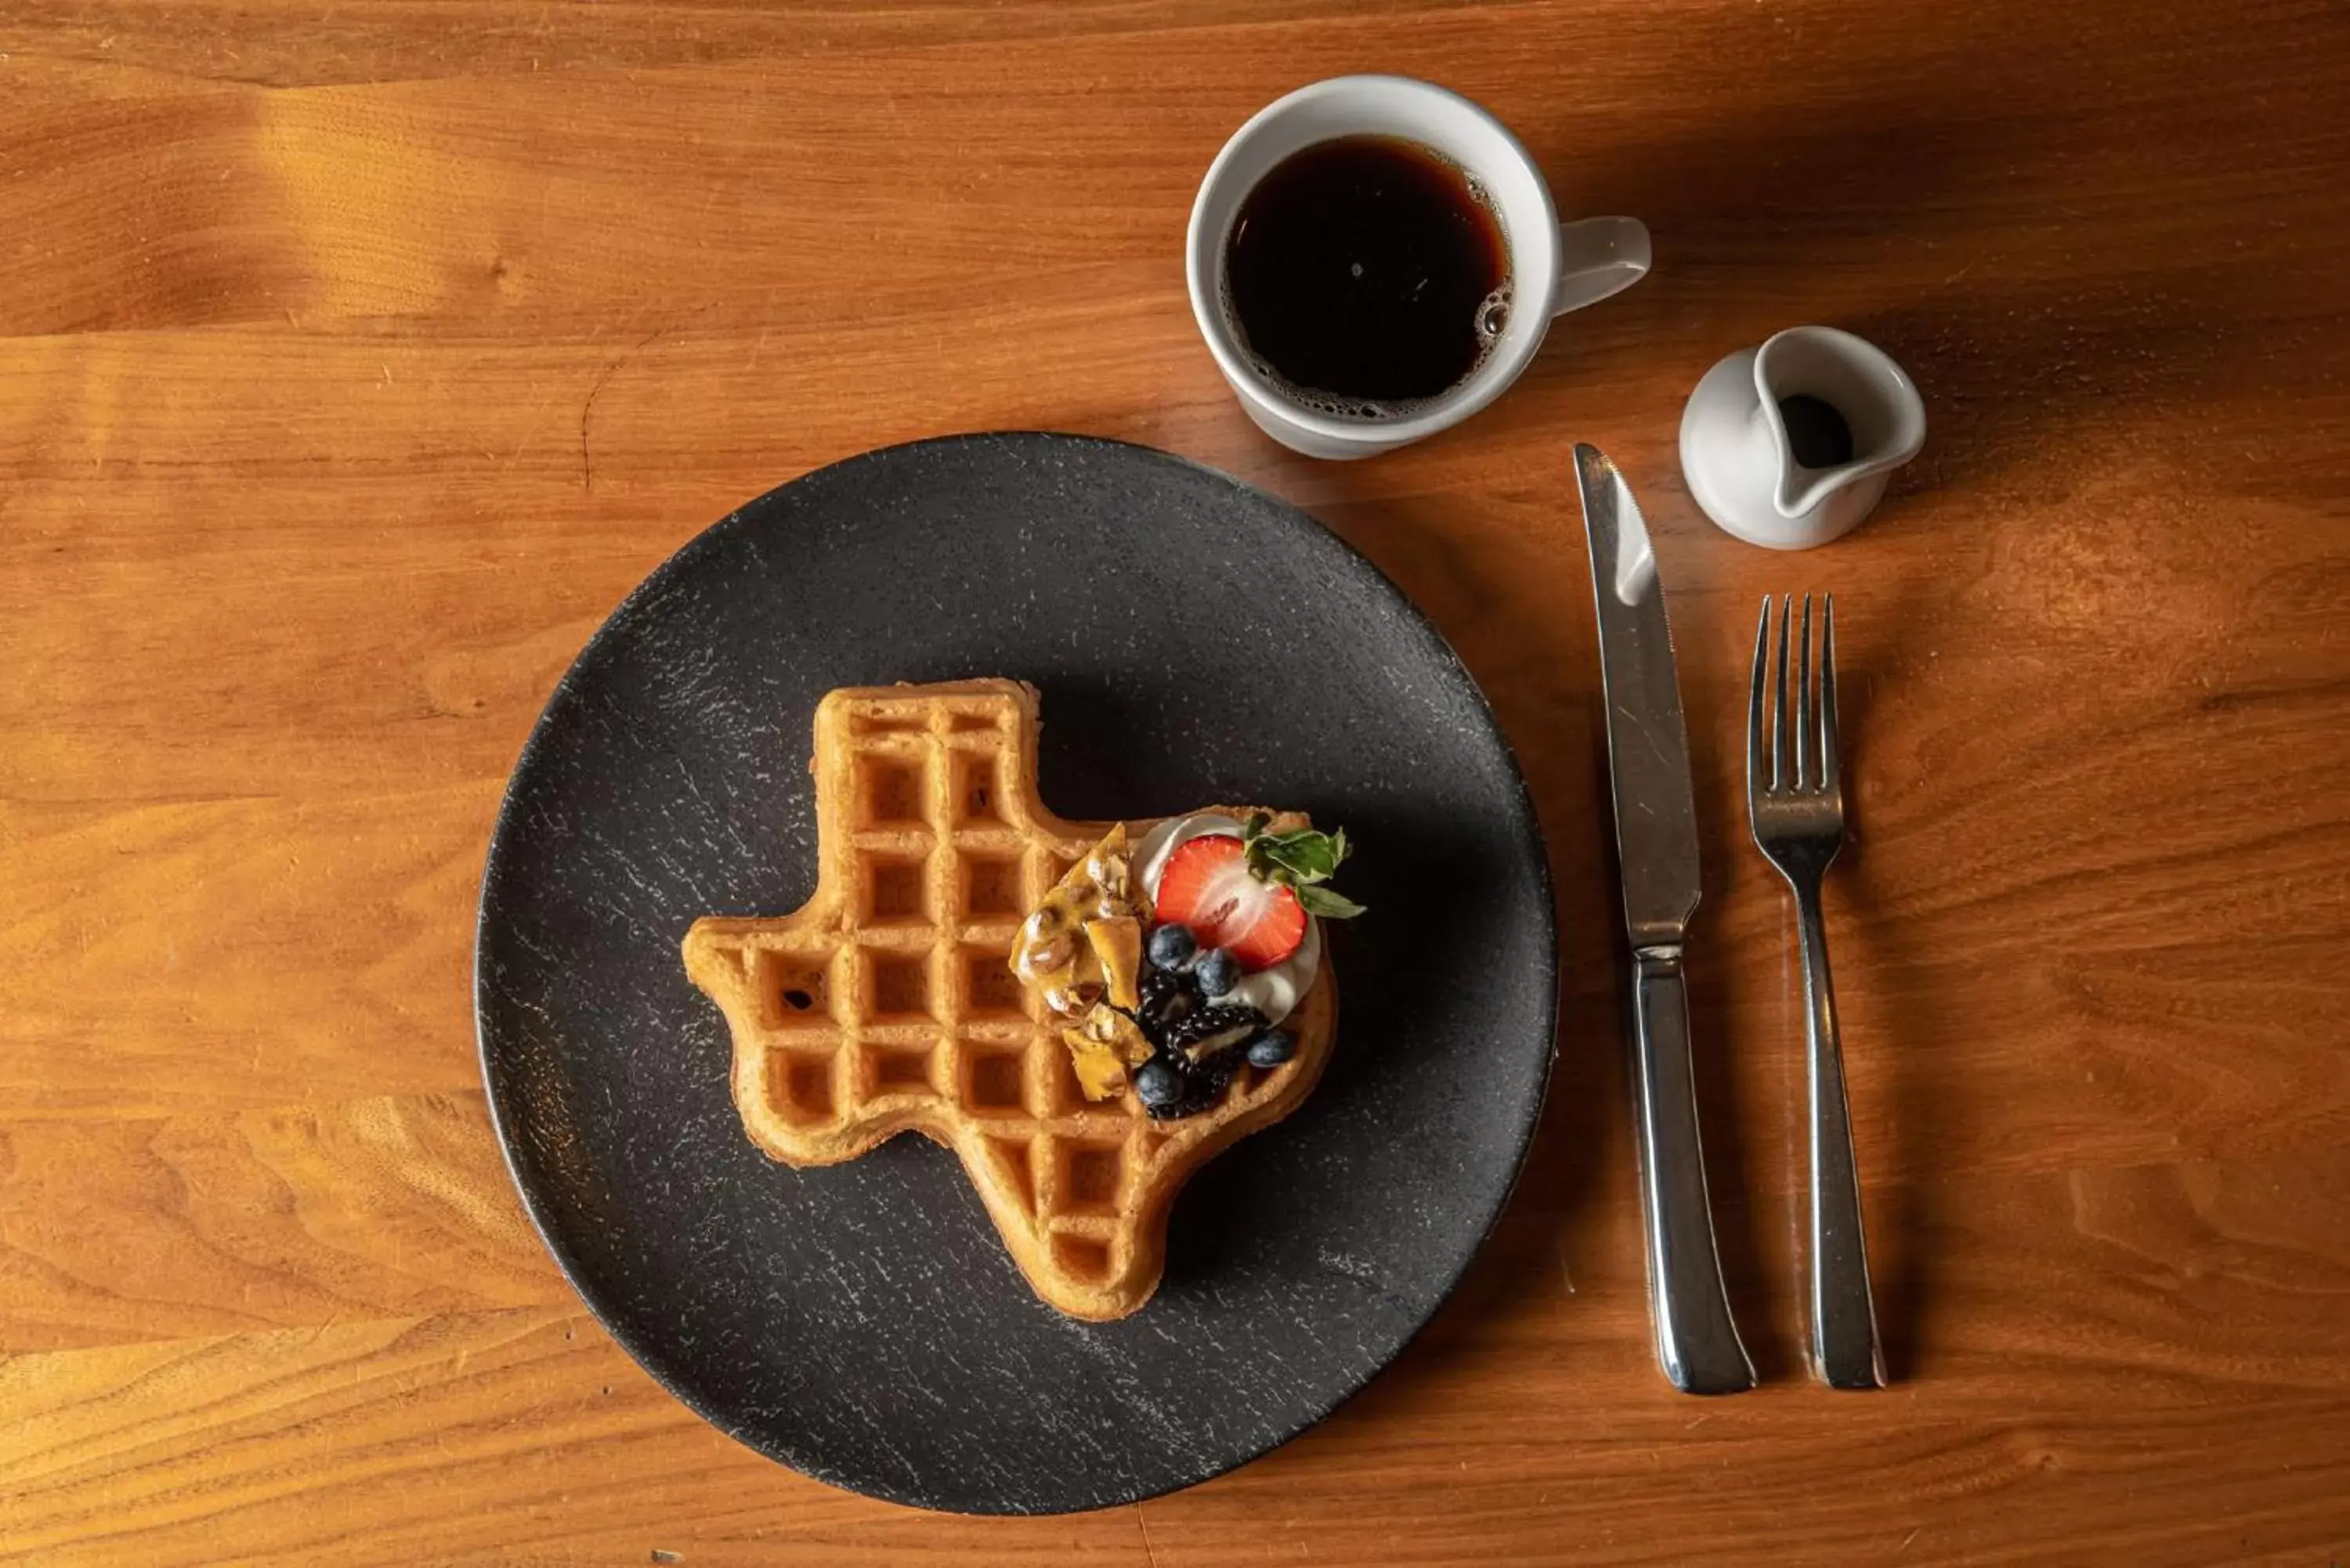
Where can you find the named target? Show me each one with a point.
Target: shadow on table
(1923, 219)
(1935, 226)
(1529, 639)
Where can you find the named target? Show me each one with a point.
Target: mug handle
(1597, 258)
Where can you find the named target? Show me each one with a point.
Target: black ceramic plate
(1195, 641)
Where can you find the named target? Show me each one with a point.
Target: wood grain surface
(356, 359)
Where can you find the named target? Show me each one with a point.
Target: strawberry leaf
(1300, 859)
(1262, 863)
(1308, 856)
(1328, 903)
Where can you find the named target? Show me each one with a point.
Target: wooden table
(359, 358)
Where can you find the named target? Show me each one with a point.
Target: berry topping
(1251, 895)
(1171, 946)
(1167, 995)
(1208, 1032)
(1159, 1086)
(1272, 1048)
(1207, 886)
(1217, 972)
(1196, 1088)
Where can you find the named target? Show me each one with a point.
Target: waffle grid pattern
(888, 1003)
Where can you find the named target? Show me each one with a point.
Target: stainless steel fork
(1794, 797)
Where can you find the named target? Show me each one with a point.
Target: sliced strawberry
(1207, 888)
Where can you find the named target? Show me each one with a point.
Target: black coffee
(1369, 270)
(1816, 430)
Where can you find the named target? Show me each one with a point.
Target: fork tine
(1756, 782)
(1830, 774)
(1782, 746)
(1805, 740)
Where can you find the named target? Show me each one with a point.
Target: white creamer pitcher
(1790, 444)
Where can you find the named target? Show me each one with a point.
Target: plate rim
(505, 1122)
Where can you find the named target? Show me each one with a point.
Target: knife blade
(1656, 842)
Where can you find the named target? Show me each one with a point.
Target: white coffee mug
(1553, 267)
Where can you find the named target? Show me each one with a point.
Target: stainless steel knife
(1655, 840)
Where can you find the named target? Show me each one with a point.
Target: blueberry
(1171, 946)
(1217, 972)
(1157, 1085)
(1272, 1048)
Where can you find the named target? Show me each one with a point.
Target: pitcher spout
(1790, 444)
(1838, 411)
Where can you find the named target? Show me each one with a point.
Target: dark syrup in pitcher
(1368, 274)
(1816, 430)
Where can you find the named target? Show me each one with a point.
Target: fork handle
(1697, 1342)
(1845, 1346)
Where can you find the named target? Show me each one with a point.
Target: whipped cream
(1271, 991)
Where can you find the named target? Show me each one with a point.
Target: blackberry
(1203, 1084)
(1160, 1086)
(1167, 996)
(1176, 1020)
(1207, 1034)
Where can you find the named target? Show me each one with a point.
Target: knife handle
(1697, 1342)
